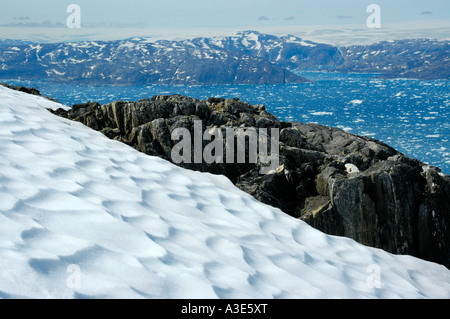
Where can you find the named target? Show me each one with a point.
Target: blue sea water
(413, 116)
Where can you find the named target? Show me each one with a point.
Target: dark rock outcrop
(340, 183)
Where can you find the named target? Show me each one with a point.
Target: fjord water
(413, 116)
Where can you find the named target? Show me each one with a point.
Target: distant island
(420, 58)
(247, 57)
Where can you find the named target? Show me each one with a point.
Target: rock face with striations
(339, 183)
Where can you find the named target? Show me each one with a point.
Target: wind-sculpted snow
(137, 226)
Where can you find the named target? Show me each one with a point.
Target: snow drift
(73, 202)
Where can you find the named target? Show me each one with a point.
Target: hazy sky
(223, 13)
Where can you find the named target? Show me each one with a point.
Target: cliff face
(339, 183)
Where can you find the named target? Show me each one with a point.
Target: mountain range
(423, 59)
(247, 57)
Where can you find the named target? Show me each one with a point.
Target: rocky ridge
(338, 182)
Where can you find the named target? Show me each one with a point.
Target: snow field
(137, 226)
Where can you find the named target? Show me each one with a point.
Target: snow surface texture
(82, 216)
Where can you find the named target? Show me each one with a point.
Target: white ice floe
(321, 113)
(345, 128)
(85, 216)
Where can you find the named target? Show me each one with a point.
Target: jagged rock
(340, 183)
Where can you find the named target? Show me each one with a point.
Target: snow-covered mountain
(85, 216)
(287, 51)
(415, 58)
(148, 61)
(247, 57)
